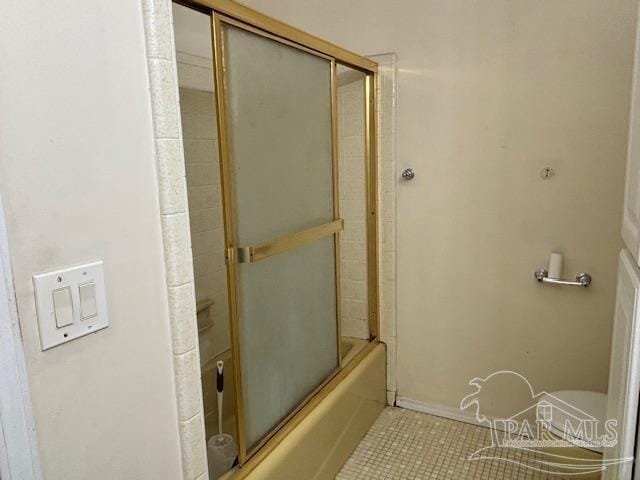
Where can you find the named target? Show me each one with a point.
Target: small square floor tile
(407, 445)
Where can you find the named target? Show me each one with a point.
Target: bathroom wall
(489, 94)
(200, 140)
(353, 202)
(77, 177)
(199, 132)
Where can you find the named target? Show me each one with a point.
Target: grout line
(184, 353)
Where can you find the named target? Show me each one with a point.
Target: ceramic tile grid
(353, 206)
(387, 182)
(199, 134)
(407, 445)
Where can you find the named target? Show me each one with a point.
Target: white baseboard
(438, 410)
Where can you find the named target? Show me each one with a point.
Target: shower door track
(225, 11)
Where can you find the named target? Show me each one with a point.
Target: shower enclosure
(295, 120)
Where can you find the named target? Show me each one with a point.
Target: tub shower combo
(280, 153)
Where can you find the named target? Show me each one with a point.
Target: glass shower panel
(279, 101)
(288, 332)
(281, 175)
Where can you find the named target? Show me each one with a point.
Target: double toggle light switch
(71, 303)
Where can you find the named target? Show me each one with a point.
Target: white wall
(489, 93)
(78, 180)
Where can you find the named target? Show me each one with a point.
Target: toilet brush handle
(220, 390)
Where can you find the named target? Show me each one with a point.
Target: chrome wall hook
(408, 174)
(582, 279)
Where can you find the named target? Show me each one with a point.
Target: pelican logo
(546, 425)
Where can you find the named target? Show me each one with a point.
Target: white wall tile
(158, 28)
(175, 232)
(205, 215)
(164, 98)
(182, 310)
(177, 247)
(188, 387)
(194, 456)
(171, 176)
(387, 182)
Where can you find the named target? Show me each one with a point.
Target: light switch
(63, 307)
(71, 303)
(88, 308)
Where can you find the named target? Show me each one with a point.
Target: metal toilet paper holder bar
(582, 279)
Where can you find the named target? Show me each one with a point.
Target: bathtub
(328, 430)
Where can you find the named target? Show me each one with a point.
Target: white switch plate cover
(44, 285)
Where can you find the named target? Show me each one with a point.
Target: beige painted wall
(489, 93)
(78, 179)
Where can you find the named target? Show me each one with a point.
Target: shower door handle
(259, 252)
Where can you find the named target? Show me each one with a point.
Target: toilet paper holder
(582, 279)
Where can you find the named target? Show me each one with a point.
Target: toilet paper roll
(555, 265)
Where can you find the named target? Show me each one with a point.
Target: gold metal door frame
(243, 17)
(282, 30)
(371, 173)
(336, 202)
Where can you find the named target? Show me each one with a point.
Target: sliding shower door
(281, 220)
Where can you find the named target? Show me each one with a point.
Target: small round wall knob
(408, 174)
(584, 279)
(541, 274)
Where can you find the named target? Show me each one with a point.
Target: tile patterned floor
(407, 445)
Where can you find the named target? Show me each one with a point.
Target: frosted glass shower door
(283, 221)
